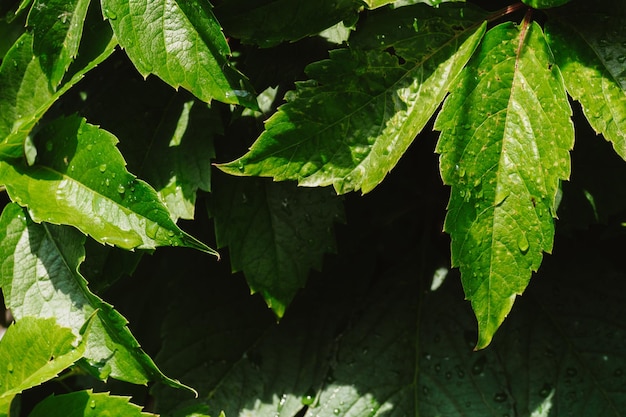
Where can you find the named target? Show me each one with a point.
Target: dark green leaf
(182, 43)
(80, 179)
(506, 133)
(87, 404)
(269, 22)
(275, 233)
(33, 351)
(352, 124)
(57, 29)
(591, 53)
(545, 4)
(39, 277)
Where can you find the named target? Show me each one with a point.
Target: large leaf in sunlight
(354, 120)
(39, 277)
(275, 233)
(79, 178)
(31, 352)
(182, 43)
(591, 53)
(505, 139)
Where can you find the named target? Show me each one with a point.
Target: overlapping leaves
(352, 124)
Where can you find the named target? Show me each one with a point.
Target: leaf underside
(362, 109)
(505, 137)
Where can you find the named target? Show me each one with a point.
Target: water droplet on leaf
(92, 404)
(121, 189)
(102, 168)
(500, 397)
(522, 243)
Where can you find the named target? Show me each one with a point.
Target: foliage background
(368, 334)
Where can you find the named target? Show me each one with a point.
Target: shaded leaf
(182, 43)
(80, 179)
(352, 124)
(40, 278)
(545, 4)
(87, 404)
(26, 92)
(33, 351)
(504, 145)
(590, 51)
(275, 233)
(269, 22)
(57, 29)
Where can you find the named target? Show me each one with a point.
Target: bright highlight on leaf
(505, 138)
(351, 125)
(182, 43)
(40, 277)
(79, 178)
(33, 351)
(87, 404)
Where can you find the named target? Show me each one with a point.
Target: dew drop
(121, 189)
(110, 14)
(89, 147)
(240, 166)
(102, 167)
(10, 367)
(500, 397)
(522, 243)
(107, 182)
(152, 229)
(336, 411)
(92, 404)
(479, 365)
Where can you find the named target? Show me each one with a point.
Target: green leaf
(268, 22)
(39, 277)
(506, 133)
(182, 43)
(57, 29)
(590, 52)
(275, 233)
(87, 404)
(26, 92)
(352, 124)
(80, 179)
(32, 351)
(545, 4)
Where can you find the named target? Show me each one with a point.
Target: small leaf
(182, 43)
(26, 92)
(591, 54)
(269, 22)
(275, 233)
(80, 179)
(39, 277)
(87, 404)
(57, 29)
(505, 136)
(352, 124)
(545, 4)
(33, 351)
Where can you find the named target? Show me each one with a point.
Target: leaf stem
(523, 32)
(510, 9)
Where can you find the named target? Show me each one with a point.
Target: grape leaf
(33, 351)
(182, 43)
(269, 22)
(591, 53)
(39, 277)
(57, 29)
(275, 233)
(87, 404)
(352, 124)
(26, 92)
(79, 179)
(505, 137)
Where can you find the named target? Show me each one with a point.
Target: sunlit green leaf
(39, 277)
(351, 125)
(87, 404)
(57, 29)
(275, 233)
(504, 145)
(591, 53)
(182, 43)
(80, 179)
(33, 351)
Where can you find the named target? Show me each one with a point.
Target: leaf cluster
(133, 132)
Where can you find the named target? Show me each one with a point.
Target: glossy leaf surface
(505, 137)
(87, 404)
(80, 179)
(182, 43)
(40, 278)
(351, 124)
